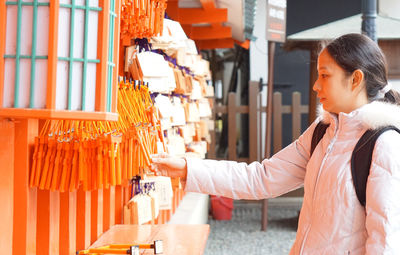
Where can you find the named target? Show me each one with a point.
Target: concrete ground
(242, 234)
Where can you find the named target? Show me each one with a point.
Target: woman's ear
(357, 79)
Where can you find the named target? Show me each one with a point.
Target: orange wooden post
(116, 56)
(125, 199)
(169, 214)
(102, 50)
(156, 220)
(6, 184)
(67, 223)
(97, 214)
(54, 245)
(112, 206)
(3, 19)
(127, 194)
(73, 199)
(166, 212)
(43, 222)
(165, 216)
(106, 209)
(32, 223)
(121, 55)
(83, 219)
(119, 204)
(160, 219)
(25, 132)
(52, 58)
(48, 217)
(64, 223)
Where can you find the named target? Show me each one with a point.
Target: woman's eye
(323, 75)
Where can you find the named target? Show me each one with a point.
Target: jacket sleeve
(382, 197)
(272, 177)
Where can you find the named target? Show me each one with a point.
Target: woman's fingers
(160, 155)
(164, 164)
(161, 166)
(161, 160)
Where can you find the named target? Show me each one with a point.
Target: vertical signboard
(276, 20)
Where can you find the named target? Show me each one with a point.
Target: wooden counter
(177, 239)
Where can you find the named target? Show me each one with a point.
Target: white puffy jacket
(332, 221)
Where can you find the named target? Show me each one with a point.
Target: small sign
(276, 20)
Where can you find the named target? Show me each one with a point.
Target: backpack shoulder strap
(318, 133)
(361, 160)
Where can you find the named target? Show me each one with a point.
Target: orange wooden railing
(52, 222)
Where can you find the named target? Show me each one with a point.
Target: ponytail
(392, 96)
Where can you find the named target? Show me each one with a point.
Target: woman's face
(333, 85)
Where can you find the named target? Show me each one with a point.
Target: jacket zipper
(328, 150)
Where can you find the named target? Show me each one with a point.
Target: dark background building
(291, 71)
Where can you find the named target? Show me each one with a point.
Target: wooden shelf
(177, 239)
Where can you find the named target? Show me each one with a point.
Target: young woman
(353, 90)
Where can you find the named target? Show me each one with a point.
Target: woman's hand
(166, 165)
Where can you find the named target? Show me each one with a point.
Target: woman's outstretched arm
(272, 177)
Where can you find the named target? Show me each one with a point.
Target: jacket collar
(374, 115)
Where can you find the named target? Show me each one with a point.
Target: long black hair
(357, 51)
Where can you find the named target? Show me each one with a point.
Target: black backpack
(360, 158)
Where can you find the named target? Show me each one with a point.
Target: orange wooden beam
(205, 33)
(52, 58)
(102, 49)
(3, 20)
(196, 15)
(215, 44)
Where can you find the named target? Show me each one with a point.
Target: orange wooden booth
(40, 221)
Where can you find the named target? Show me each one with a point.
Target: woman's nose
(316, 86)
